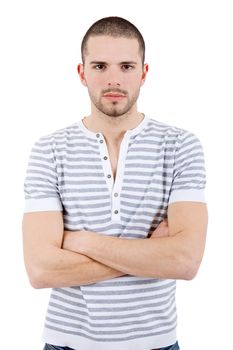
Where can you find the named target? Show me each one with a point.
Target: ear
(144, 73)
(80, 69)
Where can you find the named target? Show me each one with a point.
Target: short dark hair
(115, 27)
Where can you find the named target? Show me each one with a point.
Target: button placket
(105, 161)
(116, 203)
(114, 188)
(116, 209)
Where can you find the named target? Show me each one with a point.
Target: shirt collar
(130, 132)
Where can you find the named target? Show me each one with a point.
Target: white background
(190, 85)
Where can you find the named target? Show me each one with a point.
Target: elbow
(37, 278)
(189, 274)
(189, 268)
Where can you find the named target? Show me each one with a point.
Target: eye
(127, 67)
(99, 66)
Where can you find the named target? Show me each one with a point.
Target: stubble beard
(113, 108)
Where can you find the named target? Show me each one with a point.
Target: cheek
(132, 83)
(95, 82)
(91, 79)
(133, 79)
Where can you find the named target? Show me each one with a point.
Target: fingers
(161, 230)
(163, 223)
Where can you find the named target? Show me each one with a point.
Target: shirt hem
(77, 342)
(42, 204)
(190, 195)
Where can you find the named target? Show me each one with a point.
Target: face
(113, 74)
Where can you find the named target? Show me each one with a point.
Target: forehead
(106, 48)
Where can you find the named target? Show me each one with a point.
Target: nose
(113, 78)
(114, 84)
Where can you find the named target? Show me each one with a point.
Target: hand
(161, 230)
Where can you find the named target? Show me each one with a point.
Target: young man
(115, 209)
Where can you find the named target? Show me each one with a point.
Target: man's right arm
(50, 266)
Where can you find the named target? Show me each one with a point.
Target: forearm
(158, 257)
(62, 268)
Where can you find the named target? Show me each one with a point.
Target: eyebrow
(124, 62)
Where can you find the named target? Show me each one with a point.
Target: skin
(58, 258)
(118, 69)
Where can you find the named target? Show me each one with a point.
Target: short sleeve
(41, 184)
(189, 175)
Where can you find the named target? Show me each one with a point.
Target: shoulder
(172, 132)
(61, 133)
(58, 137)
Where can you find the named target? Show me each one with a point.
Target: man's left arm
(177, 256)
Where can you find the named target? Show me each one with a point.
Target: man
(115, 209)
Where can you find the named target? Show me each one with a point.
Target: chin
(115, 112)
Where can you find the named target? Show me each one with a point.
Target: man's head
(115, 27)
(113, 68)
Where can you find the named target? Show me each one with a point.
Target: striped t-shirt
(70, 171)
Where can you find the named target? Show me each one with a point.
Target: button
(97, 135)
(109, 176)
(115, 194)
(101, 141)
(105, 158)
(115, 211)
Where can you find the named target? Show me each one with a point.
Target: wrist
(84, 240)
(78, 241)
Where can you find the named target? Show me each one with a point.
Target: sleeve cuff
(187, 195)
(42, 204)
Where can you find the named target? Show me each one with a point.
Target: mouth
(114, 96)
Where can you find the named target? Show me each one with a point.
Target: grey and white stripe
(158, 164)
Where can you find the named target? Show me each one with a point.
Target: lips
(113, 95)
